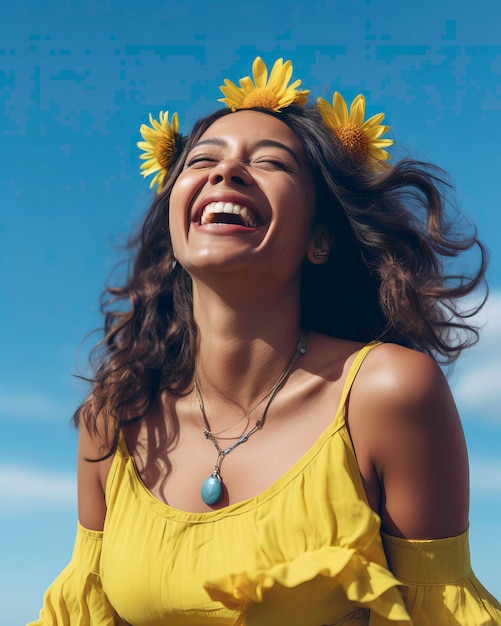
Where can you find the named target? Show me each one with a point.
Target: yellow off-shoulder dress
(307, 551)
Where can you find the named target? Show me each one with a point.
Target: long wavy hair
(387, 277)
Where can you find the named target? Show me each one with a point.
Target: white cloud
(476, 377)
(31, 406)
(485, 478)
(23, 488)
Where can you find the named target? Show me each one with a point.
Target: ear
(319, 246)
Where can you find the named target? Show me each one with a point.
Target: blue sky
(76, 81)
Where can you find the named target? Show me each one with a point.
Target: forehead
(252, 126)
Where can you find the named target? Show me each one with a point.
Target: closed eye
(201, 160)
(272, 164)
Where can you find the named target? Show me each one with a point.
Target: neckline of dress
(269, 492)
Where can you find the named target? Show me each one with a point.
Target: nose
(230, 171)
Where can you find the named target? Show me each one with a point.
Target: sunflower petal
(280, 76)
(375, 132)
(247, 85)
(148, 133)
(302, 97)
(328, 114)
(375, 120)
(340, 108)
(175, 123)
(357, 110)
(150, 162)
(157, 180)
(233, 93)
(147, 170)
(339, 116)
(157, 126)
(382, 143)
(379, 155)
(286, 100)
(259, 72)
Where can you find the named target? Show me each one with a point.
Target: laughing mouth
(228, 213)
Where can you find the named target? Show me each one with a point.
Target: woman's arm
(410, 445)
(92, 476)
(76, 596)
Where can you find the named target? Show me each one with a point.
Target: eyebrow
(264, 143)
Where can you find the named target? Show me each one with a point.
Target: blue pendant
(212, 489)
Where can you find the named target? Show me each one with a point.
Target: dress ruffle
(319, 587)
(76, 597)
(440, 586)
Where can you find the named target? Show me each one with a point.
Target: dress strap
(121, 455)
(122, 445)
(352, 373)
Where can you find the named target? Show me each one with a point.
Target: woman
(251, 452)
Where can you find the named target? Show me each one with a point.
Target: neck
(244, 344)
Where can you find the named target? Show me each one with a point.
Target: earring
(319, 254)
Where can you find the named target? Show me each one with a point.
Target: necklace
(237, 421)
(209, 433)
(212, 487)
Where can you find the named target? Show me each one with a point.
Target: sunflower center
(163, 152)
(261, 97)
(354, 139)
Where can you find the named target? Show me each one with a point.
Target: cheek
(179, 193)
(181, 198)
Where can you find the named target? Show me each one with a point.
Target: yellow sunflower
(161, 144)
(271, 93)
(359, 137)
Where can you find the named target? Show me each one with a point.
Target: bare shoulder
(400, 375)
(404, 386)
(93, 470)
(408, 438)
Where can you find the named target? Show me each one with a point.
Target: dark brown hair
(388, 275)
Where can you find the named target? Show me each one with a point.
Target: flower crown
(163, 142)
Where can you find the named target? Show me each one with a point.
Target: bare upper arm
(410, 444)
(91, 480)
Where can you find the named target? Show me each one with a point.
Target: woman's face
(245, 198)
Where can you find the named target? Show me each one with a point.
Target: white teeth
(229, 207)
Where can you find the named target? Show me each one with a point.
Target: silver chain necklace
(212, 487)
